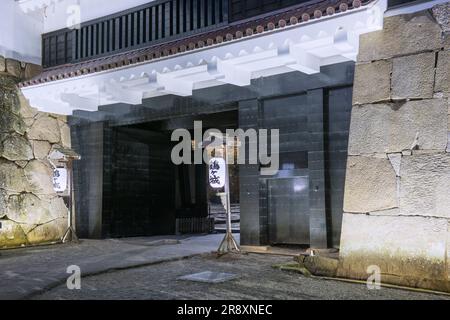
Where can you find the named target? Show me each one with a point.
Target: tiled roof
(291, 16)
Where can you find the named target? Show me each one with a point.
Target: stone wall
(30, 211)
(397, 195)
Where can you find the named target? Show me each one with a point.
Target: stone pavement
(29, 271)
(256, 279)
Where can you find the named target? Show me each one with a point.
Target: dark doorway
(142, 184)
(153, 196)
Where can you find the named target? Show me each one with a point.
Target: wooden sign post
(62, 160)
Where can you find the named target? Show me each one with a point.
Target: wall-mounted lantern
(62, 162)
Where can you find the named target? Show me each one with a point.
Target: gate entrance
(152, 196)
(143, 189)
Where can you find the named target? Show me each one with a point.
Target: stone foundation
(30, 211)
(397, 195)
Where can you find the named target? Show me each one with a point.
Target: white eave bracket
(304, 47)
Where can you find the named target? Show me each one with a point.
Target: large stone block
(425, 185)
(409, 251)
(14, 68)
(16, 148)
(320, 265)
(32, 70)
(369, 76)
(12, 178)
(26, 208)
(10, 102)
(401, 35)
(45, 128)
(58, 208)
(30, 210)
(41, 149)
(49, 232)
(441, 13)
(391, 128)
(10, 120)
(12, 235)
(39, 176)
(3, 203)
(65, 134)
(448, 143)
(8, 84)
(26, 110)
(2, 64)
(442, 72)
(446, 41)
(370, 185)
(413, 76)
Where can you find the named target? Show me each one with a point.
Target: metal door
(288, 204)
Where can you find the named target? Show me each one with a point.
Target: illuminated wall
(397, 196)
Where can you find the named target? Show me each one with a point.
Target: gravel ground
(256, 280)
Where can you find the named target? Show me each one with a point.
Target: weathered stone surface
(448, 143)
(26, 208)
(58, 208)
(2, 64)
(48, 232)
(21, 163)
(369, 76)
(409, 251)
(370, 185)
(14, 68)
(10, 120)
(65, 134)
(442, 71)
(12, 178)
(8, 84)
(425, 185)
(320, 266)
(30, 210)
(11, 235)
(3, 203)
(403, 34)
(45, 128)
(39, 176)
(32, 70)
(16, 148)
(391, 128)
(441, 13)
(396, 161)
(10, 102)
(41, 149)
(413, 76)
(29, 122)
(446, 40)
(60, 117)
(26, 110)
